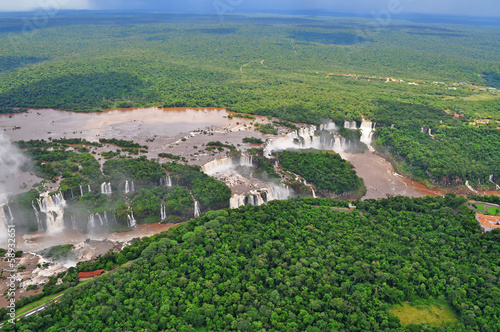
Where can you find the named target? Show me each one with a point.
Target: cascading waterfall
(329, 126)
(88, 187)
(37, 215)
(246, 160)
(496, 185)
(131, 219)
(307, 138)
(196, 209)
(100, 219)
(106, 218)
(81, 191)
(217, 165)
(132, 187)
(106, 188)
(350, 125)
(313, 193)
(163, 212)
(260, 197)
(430, 132)
(53, 207)
(470, 187)
(91, 222)
(3, 224)
(127, 187)
(72, 195)
(367, 128)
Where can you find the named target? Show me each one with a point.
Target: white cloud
(28, 5)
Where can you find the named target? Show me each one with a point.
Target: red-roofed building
(86, 275)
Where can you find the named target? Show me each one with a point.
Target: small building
(488, 223)
(88, 275)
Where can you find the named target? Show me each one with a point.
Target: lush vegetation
(326, 170)
(297, 266)
(253, 140)
(294, 68)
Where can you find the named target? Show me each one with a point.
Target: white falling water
(3, 224)
(422, 130)
(313, 193)
(246, 160)
(106, 188)
(127, 187)
(81, 191)
(196, 209)
(131, 219)
(367, 133)
(100, 219)
(350, 125)
(430, 132)
(88, 187)
(236, 201)
(53, 207)
(37, 215)
(218, 166)
(163, 212)
(168, 181)
(496, 185)
(106, 218)
(256, 197)
(132, 186)
(470, 187)
(329, 126)
(91, 222)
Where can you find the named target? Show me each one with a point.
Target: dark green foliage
(210, 193)
(122, 143)
(140, 169)
(290, 266)
(4, 110)
(253, 140)
(12, 62)
(338, 38)
(58, 252)
(268, 129)
(327, 171)
(169, 155)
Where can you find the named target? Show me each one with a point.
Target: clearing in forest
(424, 314)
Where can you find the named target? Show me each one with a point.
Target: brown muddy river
(181, 131)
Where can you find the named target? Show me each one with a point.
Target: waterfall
(72, 195)
(37, 215)
(422, 130)
(496, 185)
(236, 201)
(3, 224)
(367, 133)
(246, 160)
(168, 181)
(53, 207)
(73, 222)
(127, 187)
(256, 197)
(217, 165)
(106, 188)
(313, 193)
(106, 218)
(100, 219)
(133, 187)
(329, 126)
(350, 125)
(88, 187)
(81, 191)
(163, 212)
(196, 209)
(131, 219)
(430, 132)
(91, 222)
(470, 187)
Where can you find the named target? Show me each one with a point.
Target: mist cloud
(11, 160)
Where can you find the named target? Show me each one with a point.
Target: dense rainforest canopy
(297, 266)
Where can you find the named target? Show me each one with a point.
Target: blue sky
(489, 8)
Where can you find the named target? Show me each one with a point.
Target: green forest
(327, 171)
(297, 266)
(295, 68)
